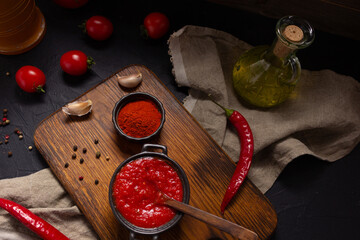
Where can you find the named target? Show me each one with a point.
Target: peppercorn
(9, 154)
(73, 156)
(5, 110)
(81, 178)
(30, 148)
(84, 150)
(7, 121)
(96, 141)
(75, 148)
(1, 142)
(96, 182)
(66, 165)
(21, 137)
(7, 136)
(81, 160)
(98, 154)
(7, 73)
(107, 158)
(6, 141)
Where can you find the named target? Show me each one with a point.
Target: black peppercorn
(84, 150)
(73, 156)
(81, 160)
(98, 154)
(75, 148)
(66, 165)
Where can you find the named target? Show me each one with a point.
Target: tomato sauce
(136, 191)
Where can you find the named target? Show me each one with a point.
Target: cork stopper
(293, 33)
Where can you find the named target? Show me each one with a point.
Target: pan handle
(149, 145)
(132, 236)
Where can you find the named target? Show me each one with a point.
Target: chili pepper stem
(228, 111)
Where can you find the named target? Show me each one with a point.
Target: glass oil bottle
(265, 76)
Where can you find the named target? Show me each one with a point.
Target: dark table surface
(313, 199)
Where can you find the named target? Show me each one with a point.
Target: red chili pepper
(33, 222)
(246, 152)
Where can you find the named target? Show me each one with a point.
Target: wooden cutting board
(207, 167)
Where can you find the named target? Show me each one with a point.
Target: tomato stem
(90, 61)
(39, 89)
(82, 26)
(143, 32)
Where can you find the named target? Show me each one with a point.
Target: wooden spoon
(220, 223)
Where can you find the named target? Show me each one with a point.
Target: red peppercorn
(4, 119)
(7, 137)
(81, 178)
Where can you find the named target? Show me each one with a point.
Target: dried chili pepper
(246, 152)
(33, 222)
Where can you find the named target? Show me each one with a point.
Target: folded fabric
(42, 194)
(322, 118)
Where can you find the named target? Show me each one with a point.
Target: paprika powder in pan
(139, 118)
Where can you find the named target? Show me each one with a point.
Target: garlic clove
(78, 108)
(130, 81)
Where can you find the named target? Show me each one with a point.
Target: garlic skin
(130, 81)
(78, 108)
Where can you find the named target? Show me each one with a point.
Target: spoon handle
(220, 223)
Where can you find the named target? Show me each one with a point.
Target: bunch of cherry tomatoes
(75, 62)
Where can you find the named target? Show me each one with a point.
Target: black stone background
(313, 199)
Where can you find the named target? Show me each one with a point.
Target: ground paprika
(139, 118)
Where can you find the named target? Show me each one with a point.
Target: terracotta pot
(22, 26)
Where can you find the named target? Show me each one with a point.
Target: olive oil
(265, 76)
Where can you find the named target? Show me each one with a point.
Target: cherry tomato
(30, 79)
(99, 28)
(71, 3)
(75, 62)
(156, 25)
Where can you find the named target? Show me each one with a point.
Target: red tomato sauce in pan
(136, 191)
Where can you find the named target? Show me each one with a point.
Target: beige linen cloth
(322, 118)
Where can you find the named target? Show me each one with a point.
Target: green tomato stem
(40, 89)
(90, 62)
(143, 32)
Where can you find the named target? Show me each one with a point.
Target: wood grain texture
(207, 166)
